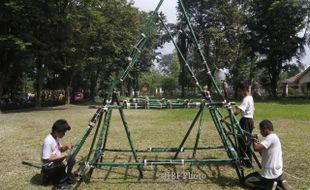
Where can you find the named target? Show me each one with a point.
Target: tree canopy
(82, 45)
(67, 44)
(249, 37)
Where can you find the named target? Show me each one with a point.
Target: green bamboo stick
(166, 162)
(166, 149)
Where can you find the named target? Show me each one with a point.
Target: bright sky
(169, 9)
(306, 59)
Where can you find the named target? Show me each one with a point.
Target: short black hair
(243, 85)
(266, 124)
(61, 125)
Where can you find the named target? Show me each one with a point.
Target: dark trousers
(57, 172)
(256, 181)
(246, 124)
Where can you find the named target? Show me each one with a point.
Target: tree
(152, 79)
(170, 81)
(273, 35)
(165, 63)
(111, 41)
(68, 44)
(220, 28)
(13, 44)
(39, 35)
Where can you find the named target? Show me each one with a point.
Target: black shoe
(248, 164)
(71, 179)
(64, 186)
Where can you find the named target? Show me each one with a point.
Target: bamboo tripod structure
(230, 132)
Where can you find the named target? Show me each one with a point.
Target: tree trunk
(2, 82)
(68, 94)
(236, 93)
(183, 81)
(4, 73)
(40, 77)
(274, 76)
(68, 85)
(136, 86)
(129, 82)
(68, 79)
(274, 86)
(92, 88)
(93, 84)
(182, 43)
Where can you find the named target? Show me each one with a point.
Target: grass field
(22, 132)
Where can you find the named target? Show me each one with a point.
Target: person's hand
(255, 138)
(65, 159)
(70, 146)
(64, 162)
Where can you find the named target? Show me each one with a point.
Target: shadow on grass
(166, 174)
(219, 179)
(86, 103)
(47, 107)
(211, 174)
(34, 110)
(37, 180)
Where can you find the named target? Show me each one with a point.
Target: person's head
(243, 88)
(265, 127)
(60, 127)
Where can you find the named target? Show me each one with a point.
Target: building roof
(295, 79)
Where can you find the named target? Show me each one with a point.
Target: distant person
(57, 167)
(272, 163)
(246, 108)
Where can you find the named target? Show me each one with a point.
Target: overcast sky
(169, 9)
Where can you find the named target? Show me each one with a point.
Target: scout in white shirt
(55, 167)
(246, 108)
(272, 163)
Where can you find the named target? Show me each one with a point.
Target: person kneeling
(56, 167)
(271, 172)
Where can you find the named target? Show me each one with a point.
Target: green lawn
(22, 132)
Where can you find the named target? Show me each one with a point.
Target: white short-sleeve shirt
(50, 147)
(247, 107)
(272, 163)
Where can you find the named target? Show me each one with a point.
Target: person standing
(246, 108)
